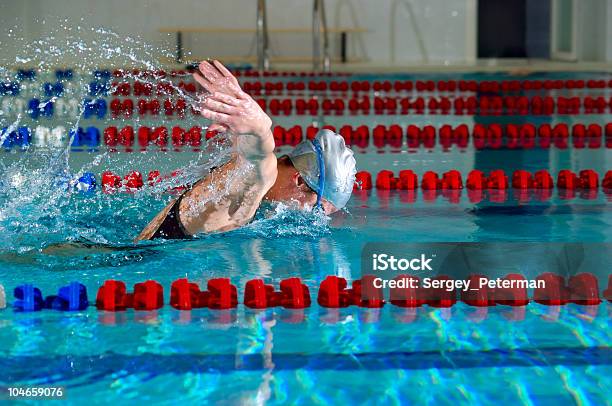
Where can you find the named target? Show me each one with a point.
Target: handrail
(263, 59)
(319, 26)
(284, 30)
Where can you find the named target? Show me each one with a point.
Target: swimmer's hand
(231, 109)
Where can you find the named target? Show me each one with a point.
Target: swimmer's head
(320, 172)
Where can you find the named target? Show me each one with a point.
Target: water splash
(38, 203)
(280, 220)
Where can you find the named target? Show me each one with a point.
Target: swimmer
(316, 175)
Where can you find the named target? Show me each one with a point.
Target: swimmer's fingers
(216, 77)
(225, 72)
(219, 107)
(224, 86)
(215, 117)
(224, 98)
(228, 87)
(206, 84)
(210, 72)
(221, 78)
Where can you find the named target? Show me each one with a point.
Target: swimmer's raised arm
(230, 108)
(230, 196)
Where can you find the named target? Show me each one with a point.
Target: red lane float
(407, 180)
(493, 136)
(480, 296)
(153, 136)
(185, 295)
(477, 180)
(421, 85)
(133, 180)
(360, 103)
(406, 296)
(110, 182)
(512, 296)
(294, 294)
(439, 296)
(607, 182)
(112, 296)
(584, 289)
(148, 295)
(363, 181)
(543, 180)
(298, 83)
(555, 291)
(258, 295)
(220, 294)
(366, 294)
(333, 292)
(497, 180)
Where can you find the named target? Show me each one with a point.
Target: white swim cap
(328, 152)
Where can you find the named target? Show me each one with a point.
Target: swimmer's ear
(301, 183)
(296, 179)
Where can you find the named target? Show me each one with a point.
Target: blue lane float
(26, 74)
(37, 108)
(10, 89)
(28, 298)
(21, 137)
(86, 183)
(72, 297)
(77, 136)
(53, 89)
(95, 108)
(47, 108)
(92, 137)
(89, 109)
(85, 138)
(101, 108)
(102, 74)
(34, 108)
(98, 88)
(66, 74)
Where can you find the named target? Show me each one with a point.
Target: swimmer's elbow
(265, 169)
(268, 171)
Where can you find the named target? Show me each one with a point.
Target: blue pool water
(462, 355)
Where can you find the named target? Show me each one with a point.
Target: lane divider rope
(333, 292)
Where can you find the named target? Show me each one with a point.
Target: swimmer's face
(309, 201)
(291, 189)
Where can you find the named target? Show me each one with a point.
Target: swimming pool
(460, 354)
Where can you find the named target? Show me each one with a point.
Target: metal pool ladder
(263, 59)
(319, 27)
